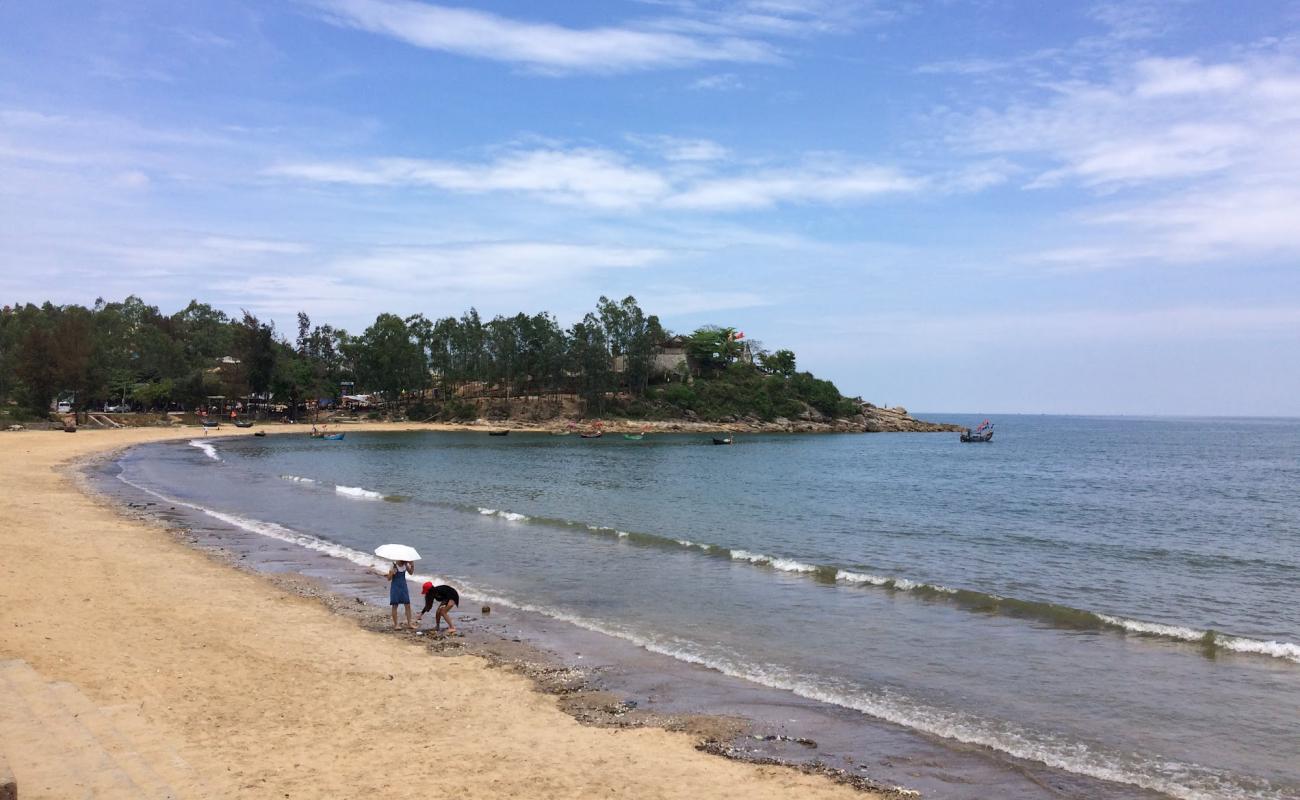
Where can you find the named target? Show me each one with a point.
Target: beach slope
(266, 694)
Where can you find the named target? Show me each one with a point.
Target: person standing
(447, 599)
(398, 592)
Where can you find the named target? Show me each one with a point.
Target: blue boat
(334, 437)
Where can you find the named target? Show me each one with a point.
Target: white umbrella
(397, 552)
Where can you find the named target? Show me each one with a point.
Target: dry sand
(268, 695)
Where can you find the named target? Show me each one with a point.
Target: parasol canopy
(397, 552)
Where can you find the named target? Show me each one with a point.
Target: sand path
(268, 695)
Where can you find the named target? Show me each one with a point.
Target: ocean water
(1113, 598)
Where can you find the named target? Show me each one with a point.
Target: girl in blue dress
(398, 593)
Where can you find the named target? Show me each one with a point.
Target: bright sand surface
(266, 694)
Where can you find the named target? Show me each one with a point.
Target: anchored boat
(984, 433)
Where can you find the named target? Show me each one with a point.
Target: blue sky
(970, 206)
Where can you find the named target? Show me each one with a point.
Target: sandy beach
(266, 694)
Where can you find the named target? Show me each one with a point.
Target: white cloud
(603, 180)
(1198, 161)
(543, 46)
(485, 266)
(1054, 328)
(179, 252)
(594, 178)
(724, 82)
(806, 185)
(1161, 77)
(676, 302)
(677, 148)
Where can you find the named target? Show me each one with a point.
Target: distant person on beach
(398, 593)
(447, 599)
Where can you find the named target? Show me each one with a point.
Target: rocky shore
(871, 419)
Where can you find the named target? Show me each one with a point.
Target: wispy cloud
(393, 276)
(594, 178)
(805, 185)
(722, 82)
(678, 148)
(1210, 146)
(542, 46)
(601, 179)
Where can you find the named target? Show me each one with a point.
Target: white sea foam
(790, 565)
(297, 479)
(1239, 644)
(860, 577)
(753, 558)
(1153, 628)
(621, 534)
(686, 542)
(506, 515)
(208, 450)
(274, 530)
(782, 564)
(358, 492)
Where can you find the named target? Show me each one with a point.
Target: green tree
(779, 363)
(589, 358)
(255, 348)
(389, 359)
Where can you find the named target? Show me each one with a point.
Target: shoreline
(872, 419)
(213, 660)
(847, 738)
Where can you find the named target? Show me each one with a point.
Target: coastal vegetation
(616, 361)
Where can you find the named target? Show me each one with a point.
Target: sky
(981, 207)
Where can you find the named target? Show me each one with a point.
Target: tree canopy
(129, 353)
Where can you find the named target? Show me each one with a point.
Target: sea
(1091, 607)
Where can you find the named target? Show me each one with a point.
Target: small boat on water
(722, 440)
(634, 437)
(260, 433)
(499, 433)
(984, 433)
(333, 437)
(592, 435)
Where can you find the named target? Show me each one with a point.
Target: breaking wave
(297, 479)
(208, 449)
(360, 493)
(507, 515)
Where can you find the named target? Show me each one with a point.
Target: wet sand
(266, 693)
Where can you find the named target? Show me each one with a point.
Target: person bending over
(446, 597)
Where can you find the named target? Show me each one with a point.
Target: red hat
(426, 587)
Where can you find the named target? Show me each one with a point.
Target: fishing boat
(634, 437)
(244, 423)
(984, 433)
(592, 435)
(499, 433)
(722, 440)
(260, 433)
(333, 437)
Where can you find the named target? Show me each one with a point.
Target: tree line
(130, 354)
